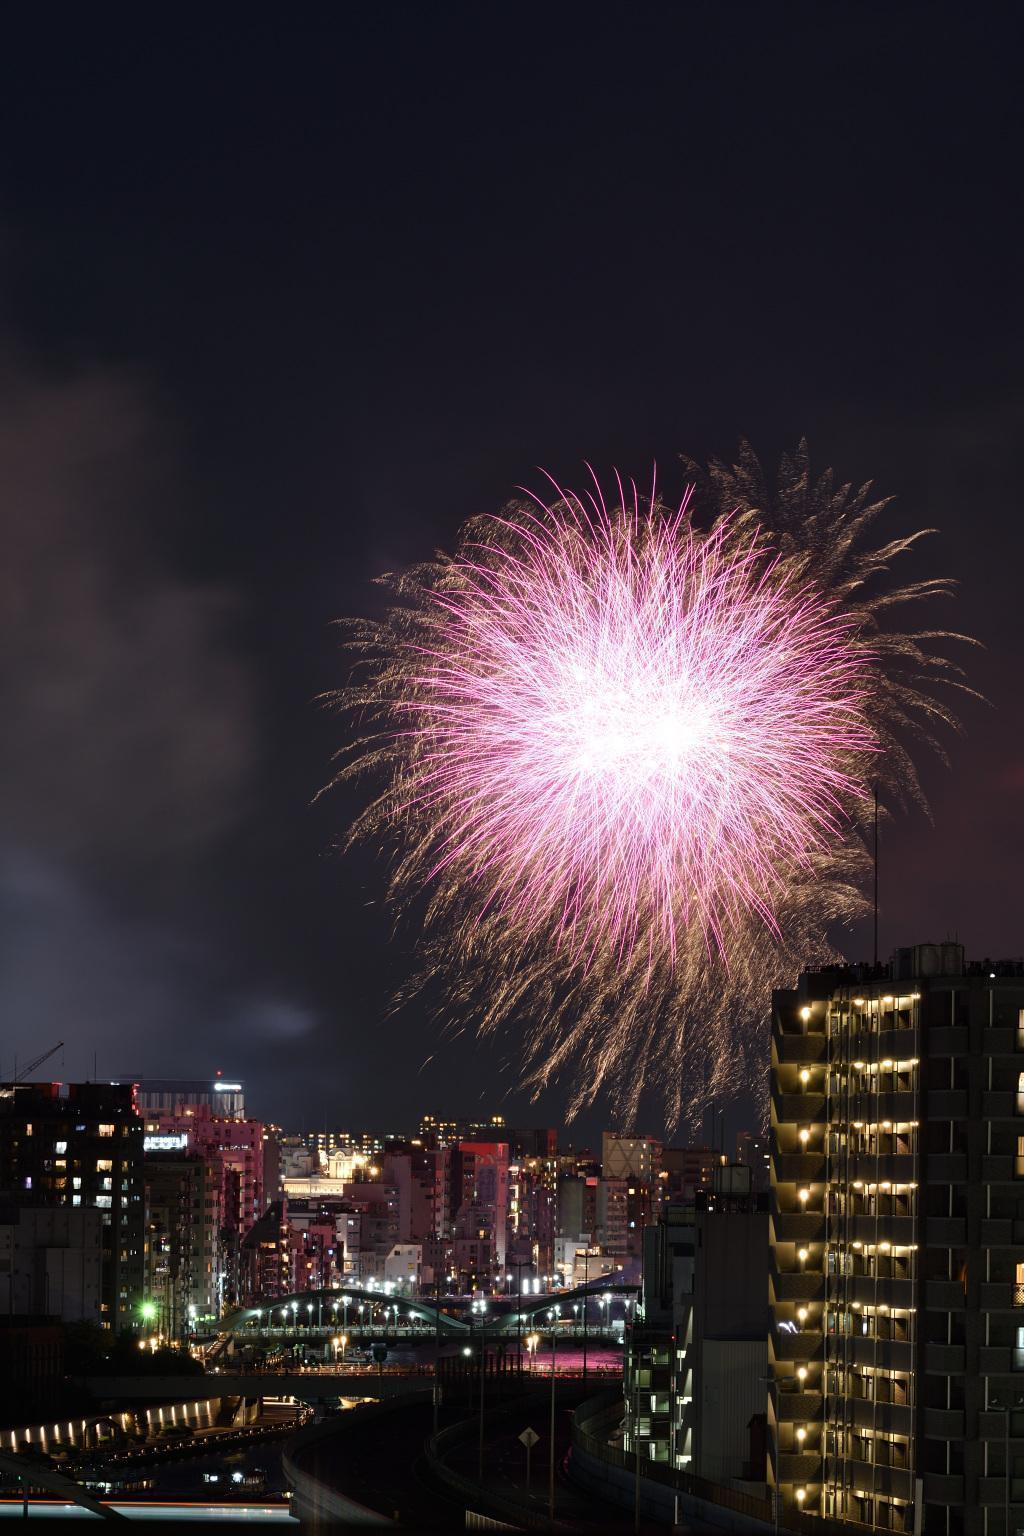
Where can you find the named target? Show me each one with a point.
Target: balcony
(946, 1232)
(807, 1344)
(944, 1423)
(893, 1291)
(800, 1285)
(939, 1488)
(897, 1104)
(886, 1418)
(1002, 1040)
(799, 1227)
(1001, 1169)
(794, 1406)
(992, 1426)
(947, 1040)
(997, 1233)
(895, 1481)
(896, 1167)
(901, 1231)
(944, 1296)
(992, 1490)
(799, 1108)
(947, 1168)
(799, 1467)
(799, 1049)
(886, 1354)
(944, 1359)
(947, 1104)
(995, 1360)
(1000, 1295)
(999, 1105)
(799, 1167)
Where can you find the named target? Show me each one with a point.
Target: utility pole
(586, 1297)
(551, 1468)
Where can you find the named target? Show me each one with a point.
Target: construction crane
(20, 1076)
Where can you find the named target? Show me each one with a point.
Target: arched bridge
(360, 1312)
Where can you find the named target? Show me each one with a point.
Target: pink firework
(622, 760)
(622, 727)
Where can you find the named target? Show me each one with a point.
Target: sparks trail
(625, 758)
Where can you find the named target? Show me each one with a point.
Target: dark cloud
(127, 714)
(128, 730)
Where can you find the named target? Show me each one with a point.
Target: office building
(897, 1276)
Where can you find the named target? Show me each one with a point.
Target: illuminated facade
(897, 1269)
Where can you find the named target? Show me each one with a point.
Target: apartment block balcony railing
(792, 1406)
(807, 1344)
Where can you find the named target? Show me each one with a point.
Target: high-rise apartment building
(897, 1273)
(636, 1159)
(185, 1239)
(80, 1145)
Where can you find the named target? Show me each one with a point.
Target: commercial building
(897, 1272)
(79, 1146)
(220, 1096)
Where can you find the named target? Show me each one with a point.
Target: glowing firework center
(632, 726)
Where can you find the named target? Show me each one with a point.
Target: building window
(105, 1130)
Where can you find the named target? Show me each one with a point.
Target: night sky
(281, 303)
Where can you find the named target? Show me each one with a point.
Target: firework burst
(624, 754)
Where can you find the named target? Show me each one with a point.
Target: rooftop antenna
(876, 874)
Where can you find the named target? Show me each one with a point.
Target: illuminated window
(62, 1146)
(105, 1130)
(104, 1165)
